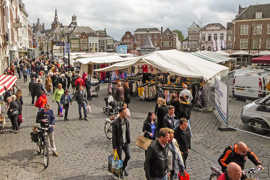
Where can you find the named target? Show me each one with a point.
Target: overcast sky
(118, 16)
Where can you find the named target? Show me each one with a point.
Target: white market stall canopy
(103, 58)
(175, 62)
(213, 56)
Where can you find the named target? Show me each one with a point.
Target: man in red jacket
(233, 172)
(79, 82)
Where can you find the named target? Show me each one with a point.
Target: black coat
(183, 139)
(156, 160)
(36, 89)
(80, 97)
(14, 106)
(147, 127)
(161, 112)
(184, 110)
(117, 134)
(168, 122)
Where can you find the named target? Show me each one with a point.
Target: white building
(23, 41)
(213, 37)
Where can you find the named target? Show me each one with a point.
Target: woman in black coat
(161, 111)
(13, 112)
(150, 126)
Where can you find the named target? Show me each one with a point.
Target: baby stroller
(110, 107)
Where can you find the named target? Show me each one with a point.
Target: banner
(122, 49)
(221, 100)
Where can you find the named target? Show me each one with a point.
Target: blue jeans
(80, 106)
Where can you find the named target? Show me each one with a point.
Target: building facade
(252, 28)
(142, 34)
(230, 36)
(168, 39)
(213, 37)
(129, 39)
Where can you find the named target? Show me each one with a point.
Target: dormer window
(258, 15)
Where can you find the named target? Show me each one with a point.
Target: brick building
(142, 34)
(252, 28)
(129, 40)
(168, 39)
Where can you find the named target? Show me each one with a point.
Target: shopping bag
(143, 142)
(61, 111)
(20, 118)
(115, 165)
(184, 176)
(88, 108)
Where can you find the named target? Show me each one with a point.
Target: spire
(55, 15)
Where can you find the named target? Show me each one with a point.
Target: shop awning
(6, 82)
(103, 59)
(175, 62)
(212, 56)
(261, 59)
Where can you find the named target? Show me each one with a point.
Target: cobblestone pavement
(83, 148)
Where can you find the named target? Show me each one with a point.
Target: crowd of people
(168, 126)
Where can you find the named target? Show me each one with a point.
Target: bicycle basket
(34, 136)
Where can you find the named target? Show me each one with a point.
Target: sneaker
(85, 119)
(80, 118)
(55, 154)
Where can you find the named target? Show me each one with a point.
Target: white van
(250, 85)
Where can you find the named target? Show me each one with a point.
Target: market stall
(171, 68)
(261, 60)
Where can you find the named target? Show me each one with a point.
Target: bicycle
(39, 135)
(108, 127)
(251, 173)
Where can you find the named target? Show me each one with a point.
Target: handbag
(15, 113)
(88, 108)
(20, 118)
(143, 142)
(184, 176)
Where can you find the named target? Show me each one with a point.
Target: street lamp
(71, 27)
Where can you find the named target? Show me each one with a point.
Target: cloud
(118, 16)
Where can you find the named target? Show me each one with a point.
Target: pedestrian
(19, 101)
(150, 126)
(156, 161)
(13, 112)
(169, 121)
(45, 116)
(125, 106)
(31, 89)
(126, 93)
(79, 82)
(25, 74)
(81, 98)
(121, 137)
(234, 172)
(48, 83)
(65, 101)
(120, 94)
(183, 137)
(18, 70)
(88, 87)
(187, 93)
(161, 111)
(59, 91)
(42, 100)
(176, 163)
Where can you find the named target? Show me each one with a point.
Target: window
(244, 29)
(215, 37)
(267, 43)
(203, 37)
(258, 15)
(256, 43)
(257, 29)
(229, 37)
(221, 36)
(209, 37)
(243, 43)
(268, 28)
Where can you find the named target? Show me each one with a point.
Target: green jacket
(58, 94)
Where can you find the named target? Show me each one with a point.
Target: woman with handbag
(13, 112)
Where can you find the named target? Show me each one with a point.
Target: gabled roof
(194, 26)
(250, 12)
(213, 24)
(147, 30)
(229, 25)
(167, 31)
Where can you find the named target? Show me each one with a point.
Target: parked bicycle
(39, 135)
(251, 173)
(108, 126)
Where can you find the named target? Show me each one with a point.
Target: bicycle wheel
(108, 130)
(46, 154)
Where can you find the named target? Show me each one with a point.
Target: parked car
(250, 84)
(257, 115)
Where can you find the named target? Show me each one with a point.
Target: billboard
(221, 100)
(122, 49)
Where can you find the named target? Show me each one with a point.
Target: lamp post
(72, 26)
